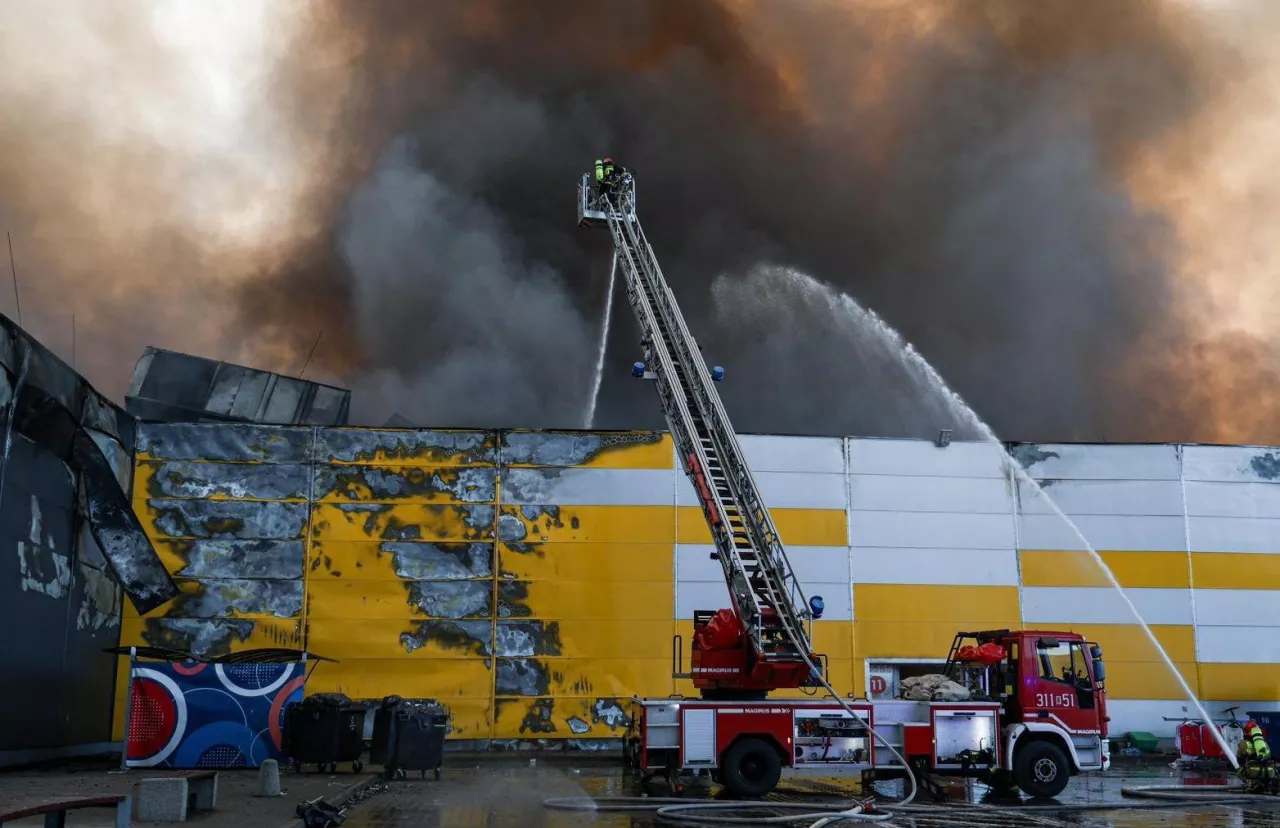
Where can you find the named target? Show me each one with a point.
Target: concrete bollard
(269, 778)
(162, 799)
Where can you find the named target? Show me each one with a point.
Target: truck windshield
(1064, 663)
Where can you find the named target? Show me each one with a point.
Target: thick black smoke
(959, 168)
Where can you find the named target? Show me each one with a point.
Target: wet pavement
(509, 793)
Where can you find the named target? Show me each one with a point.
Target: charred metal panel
(528, 638)
(440, 561)
(429, 448)
(241, 520)
(522, 722)
(466, 637)
(522, 677)
(228, 598)
(221, 559)
(451, 599)
(407, 522)
(173, 386)
(233, 443)
(214, 637)
(380, 484)
(550, 448)
(236, 481)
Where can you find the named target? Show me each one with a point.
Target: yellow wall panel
(1128, 643)
(605, 676)
(562, 718)
(445, 679)
(582, 561)
(401, 522)
(1147, 680)
(585, 599)
(614, 638)
(399, 560)
(796, 527)
(361, 638)
(1233, 682)
(1042, 568)
(579, 524)
(1228, 570)
(626, 450)
(971, 607)
(339, 599)
(913, 639)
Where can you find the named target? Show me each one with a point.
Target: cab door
(1057, 685)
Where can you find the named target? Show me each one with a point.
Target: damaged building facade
(532, 581)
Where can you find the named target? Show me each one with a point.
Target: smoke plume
(1061, 203)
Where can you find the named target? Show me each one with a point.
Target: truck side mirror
(1099, 670)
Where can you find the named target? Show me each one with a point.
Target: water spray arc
(861, 316)
(604, 344)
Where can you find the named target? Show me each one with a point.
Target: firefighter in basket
(1257, 769)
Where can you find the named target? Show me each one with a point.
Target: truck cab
(1052, 694)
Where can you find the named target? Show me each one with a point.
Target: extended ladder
(762, 585)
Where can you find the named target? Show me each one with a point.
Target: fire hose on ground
(704, 811)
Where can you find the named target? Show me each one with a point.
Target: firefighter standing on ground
(1257, 769)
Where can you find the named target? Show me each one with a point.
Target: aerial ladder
(760, 643)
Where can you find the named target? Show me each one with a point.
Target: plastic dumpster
(408, 735)
(323, 730)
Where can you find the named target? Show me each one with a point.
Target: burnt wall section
(66, 464)
(227, 508)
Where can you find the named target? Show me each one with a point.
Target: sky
(1064, 206)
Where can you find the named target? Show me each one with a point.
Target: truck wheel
(751, 768)
(1041, 769)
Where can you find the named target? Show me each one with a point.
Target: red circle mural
(153, 717)
(878, 684)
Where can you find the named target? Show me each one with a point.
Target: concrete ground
(509, 793)
(237, 805)
(487, 791)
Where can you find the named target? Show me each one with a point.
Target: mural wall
(531, 581)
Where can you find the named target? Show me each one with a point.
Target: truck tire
(1041, 769)
(751, 768)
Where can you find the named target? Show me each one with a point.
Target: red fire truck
(1034, 710)
(1034, 718)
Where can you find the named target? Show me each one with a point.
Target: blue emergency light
(637, 370)
(717, 374)
(816, 606)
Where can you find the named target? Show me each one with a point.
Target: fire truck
(1031, 709)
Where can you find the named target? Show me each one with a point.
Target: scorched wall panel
(532, 580)
(400, 583)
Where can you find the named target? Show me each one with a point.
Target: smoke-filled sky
(1064, 204)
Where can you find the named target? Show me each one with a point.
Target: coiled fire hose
(819, 815)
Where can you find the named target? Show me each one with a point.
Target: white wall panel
(1221, 534)
(1238, 607)
(588, 487)
(1103, 605)
(810, 563)
(920, 457)
(789, 454)
(1098, 462)
(1237, 645)
(930, 530)
(691, 596)
(1243, 464)
(1248, 500)
(1104, 497)
(920, 493)
(1148, 715)
(785, 490)
(1109, 532)
(973, 567)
